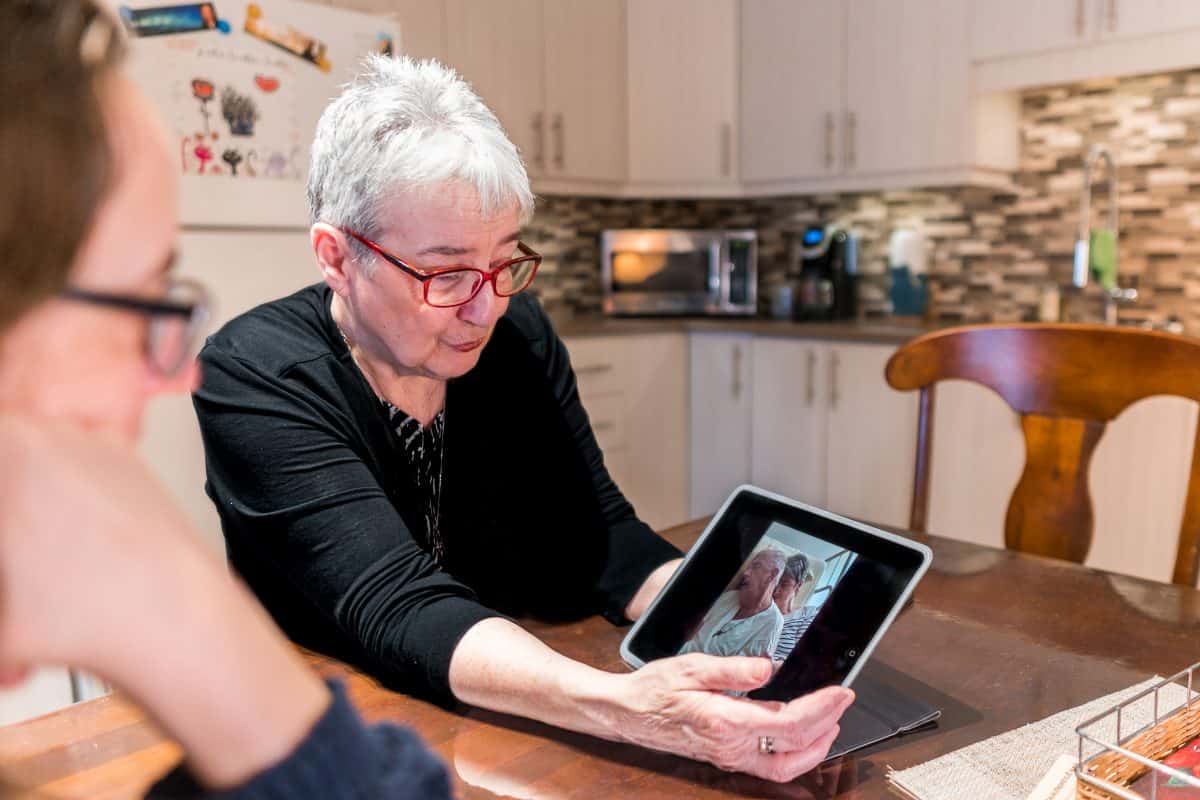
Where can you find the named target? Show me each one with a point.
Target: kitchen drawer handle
(557, 127)
(726, 149)
(1112, 16)
(810, 388)
(1080, 19)
(604, 425)
(833, 380)
(539, 140)
(829, 134)
(851, 135)
(591, 369)
(737, 371)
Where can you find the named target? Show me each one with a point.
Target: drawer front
(606, 410)
(598, 365)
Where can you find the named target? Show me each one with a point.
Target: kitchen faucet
(1082, 267)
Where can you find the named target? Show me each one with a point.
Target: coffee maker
(826, 269)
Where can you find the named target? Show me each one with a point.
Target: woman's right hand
(679, 705)
(92, 548)
(100, 569)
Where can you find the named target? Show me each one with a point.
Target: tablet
(774, 577)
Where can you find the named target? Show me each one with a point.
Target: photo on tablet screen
(773, 598)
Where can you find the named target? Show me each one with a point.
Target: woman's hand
(679, 705)
(99, 569)
(91, 547)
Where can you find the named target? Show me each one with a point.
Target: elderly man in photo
(401, 461)
(745, 620)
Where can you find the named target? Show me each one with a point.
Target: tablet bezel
(874, 536)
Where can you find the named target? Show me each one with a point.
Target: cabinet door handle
(726, 149)
(586, 368)
(810, 388)
(833, 380)
(1080, 18)
(558, 128)
(539, 140)
(851, 134)
(1112, 16)
(829, 134)
(737, 372)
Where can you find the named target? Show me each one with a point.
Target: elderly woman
(98, 567)
(400, 459)
(796, 576)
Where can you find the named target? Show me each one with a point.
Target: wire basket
(1129, 741)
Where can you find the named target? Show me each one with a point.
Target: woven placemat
(1010, 765)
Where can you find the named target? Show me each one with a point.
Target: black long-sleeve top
(319, 514)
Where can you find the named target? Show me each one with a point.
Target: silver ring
(766, 745)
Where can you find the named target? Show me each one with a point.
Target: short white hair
(403, 126)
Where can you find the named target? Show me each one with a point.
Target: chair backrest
(1066, 382)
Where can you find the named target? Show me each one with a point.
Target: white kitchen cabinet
(1001, 28)
(1124, 18)
(498, 47)
(554, 74)
(720, 388)
(977, 458)
(908, 93)
(792, 98)
(829, 431)
(1009, 28)
(634, 389)
(1018, 44)
(585, 92)
(683, 107)
(872, 437)
(790, 417)
(880, 96)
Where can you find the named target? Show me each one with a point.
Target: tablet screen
(778, 580)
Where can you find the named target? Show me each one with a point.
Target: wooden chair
(1066, 382)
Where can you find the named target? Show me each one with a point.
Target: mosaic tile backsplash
(992, 254)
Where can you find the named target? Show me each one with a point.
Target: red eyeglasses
(455, 286)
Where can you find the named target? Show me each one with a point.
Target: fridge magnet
(267, 83)
(203, 91)
(251, 157)
(384, 45)
(232, 157)
(239, 111)
(298, 44)
(275, 165)
(167, 20)
(203, 154)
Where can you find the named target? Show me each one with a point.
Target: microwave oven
(663, 271)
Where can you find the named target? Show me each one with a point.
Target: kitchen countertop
(880, 331)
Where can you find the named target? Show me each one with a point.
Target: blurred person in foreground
(401, 461)
(98, 567)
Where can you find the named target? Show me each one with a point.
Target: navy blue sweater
(340, 759)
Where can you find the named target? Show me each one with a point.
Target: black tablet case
(880, 711)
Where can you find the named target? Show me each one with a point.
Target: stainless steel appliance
(664, 271)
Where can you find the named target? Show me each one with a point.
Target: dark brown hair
(55, 159)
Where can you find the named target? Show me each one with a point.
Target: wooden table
(1005, 639)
